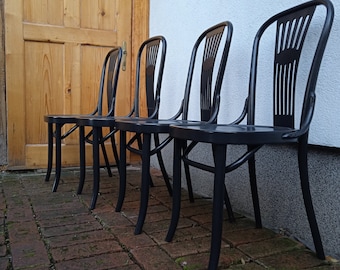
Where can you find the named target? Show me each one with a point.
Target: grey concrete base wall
(279, 189)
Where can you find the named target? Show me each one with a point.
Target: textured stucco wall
(281, 202)
(182, 21)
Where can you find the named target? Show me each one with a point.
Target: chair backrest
(292, 27)
(152, 54)
(109, 77)
(209, 101)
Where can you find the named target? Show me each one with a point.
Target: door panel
(54, 53)
(45, 12)
(43, 86)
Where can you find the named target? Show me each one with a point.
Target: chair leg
(58, 157)
(303, 168)
(189, 183)
(49, 152)
(106, 159)
(226, 196)
(188, 178)
(254, 192)
(96, 167)
(217, 218)
(139, 141)
(114, 149)
(176, 196)
(161, 165)
(122, 171)
(81, 159)
(228, 205)
(186, 149)
(144, 197)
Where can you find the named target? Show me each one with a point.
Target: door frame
(3, 108)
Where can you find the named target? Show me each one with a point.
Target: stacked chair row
(109, 77)
(288, 41)
(154, 49)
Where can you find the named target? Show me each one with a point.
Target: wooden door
(54, 52)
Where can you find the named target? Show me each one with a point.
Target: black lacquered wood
(289, 41)
(213, 40)
(153, 51)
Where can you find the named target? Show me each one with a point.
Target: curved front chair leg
(254, 192)
(49, 151)
(307, 198)
(96, 167)
(228, 205)
(57, 157)
(144, 197)
(226, 196)
(106, 159)
(176, 196)
(81, 159)
(217, 216)
(122, 171)
(188, 177)
(139, 142)
(114, 149)
(161, 165)
(189, 182)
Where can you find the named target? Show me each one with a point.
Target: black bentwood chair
(109, 77)
(151, 54)
(292, 26)
(208, 44)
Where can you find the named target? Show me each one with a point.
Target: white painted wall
(181, 22)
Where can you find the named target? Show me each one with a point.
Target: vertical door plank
(90, 74)
(3, 108)
(35, 11)
(72, 86)
(123, 29)
(72, 13)
(107, 14)
(44, 11)
(89, 11)
(43, 87)
(55, 12)
(72, 63)
(98, 14)
(15, 81)
(139, 34)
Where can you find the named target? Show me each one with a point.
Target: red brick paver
(44, 230)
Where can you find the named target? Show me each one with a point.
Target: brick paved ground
(44, 230)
